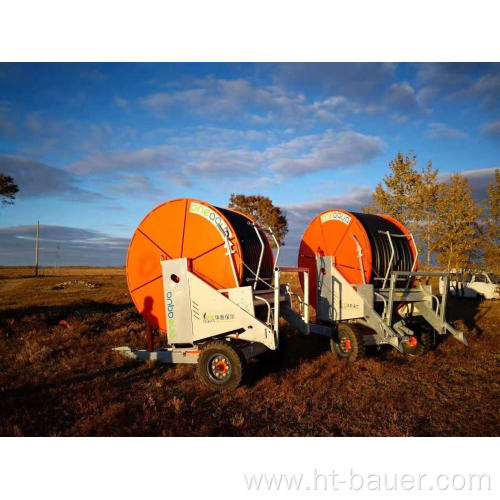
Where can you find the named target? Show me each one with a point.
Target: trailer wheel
(348, 344)
(421, 343)
(220, 366)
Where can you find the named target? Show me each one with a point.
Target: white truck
(472, 284)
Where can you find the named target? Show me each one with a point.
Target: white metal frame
(197, 313)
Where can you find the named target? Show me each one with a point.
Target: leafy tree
(491, 225)
(395, 195)
(262, 210)
(456, 225)
(443, 217)
(424, 211)
(8, 189)
(410, 196)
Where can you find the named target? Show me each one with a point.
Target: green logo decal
(170, 316)
(210, 215)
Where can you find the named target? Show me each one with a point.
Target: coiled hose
(252, 248)
(381, 248)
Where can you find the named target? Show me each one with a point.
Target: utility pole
(36, 248)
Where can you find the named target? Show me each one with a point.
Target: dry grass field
(58, 380)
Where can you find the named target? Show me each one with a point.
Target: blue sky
(94, 147)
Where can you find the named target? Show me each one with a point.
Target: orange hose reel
(334, 233)
(187, 228)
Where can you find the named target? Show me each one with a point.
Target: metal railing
(393, 253)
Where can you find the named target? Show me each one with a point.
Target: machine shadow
(53, 314)
(151, 322)
(147, 311)
(294, 349)
(469, 311)
(130, 372)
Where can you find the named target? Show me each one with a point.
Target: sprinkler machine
(207, 278)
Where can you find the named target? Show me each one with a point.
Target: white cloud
(324, 151)
(354, 199)
(443, 75)
(136, 185)
(479, 180)
(298, 156)
(486, 90)
(399, 118)
(64, 136)
(7, 128)
(121, 102)
(426, 95)
(443, 131)
(363, 82)
(77, 246)
(37, 179)
(33, 122)
(138, 160)
(491, 129)
(479, 81)
(202, 135)
(223, 99)
(402, 96)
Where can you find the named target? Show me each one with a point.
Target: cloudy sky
(94, 147)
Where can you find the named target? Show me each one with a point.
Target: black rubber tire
(426, 338)
(350, 332)
(221, 352)
(425, 342)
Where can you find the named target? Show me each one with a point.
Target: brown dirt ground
(56, 381)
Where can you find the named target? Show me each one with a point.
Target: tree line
(446, 220)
